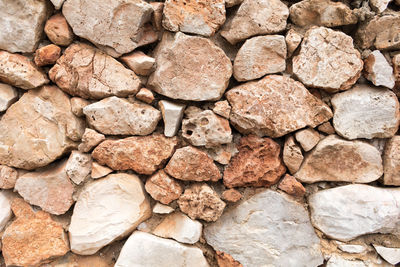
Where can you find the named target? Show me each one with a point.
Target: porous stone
(290, 185)
(5, 209)
(268, 228)
(293, 40)
(173, 60)
(77, 105)
(58, 31)
(163, 188)
(378, 70)
(275, 106)
(47, 55)
(106, 210)
(222, 108)
(79, 166)
(231, 195)
(139, 62)
(257, 163)
(162, 209)
(8, 95)
(90, 139)
(99, 171)
(308, 138)
(327, 60)
(145, 95)
(391, 162)
(8, 177)
(172, 114)
(292, 155)
(391, 255)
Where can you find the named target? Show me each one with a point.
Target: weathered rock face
(8, 177)
(327, 60)
(379, 5)
(346, 212)
(21, 24)
(231, 195)
(396, 72)
(292, 155)
(308, 138)
(116, 26)
(43, 127)
(47, 55)
(379, 108)
(391, 255)
(145, 95)
(275, 106)
(335, 159)
(226, 260)
(255, 18)
(290, 185)
(78, 167)
(99, 171)
(77, 105)
(202, 17)
(172, 114)
(257, 163)
(139, 62)
(174, 61)
(89, 73)
(58, 30)
(222, 108)
(391, 162)
(8, 95)
(90, 139)
(118, 116)
(267, 228)
(293, 40)
(106, 210)
(378, 70)
(163, 188)
(143, 249)
(5, 211)
(33, 237)
(144, 154)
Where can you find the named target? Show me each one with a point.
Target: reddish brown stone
(290, 185)
(226, 260)
(47, 55)
(231, 195)
(163, 188)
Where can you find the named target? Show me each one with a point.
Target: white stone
(79, 166)
(379, 5)
(162, 209)
(172, 114)
(391, 255)
(57, 3)
(5, 209)
(139, 62)
(378, 70)
(338, 261)
(351, 248)
(8, 95)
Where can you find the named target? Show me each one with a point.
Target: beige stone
(275, 106)
(156, 17)
(391, 162)
(73, 260)
(222, 108)
(327, 128)
(6, 199)
(379, 5)
(222, 153)
(172, 114)
(162, 209)
(292, 155)
(47, 55)
(90, 139)
(8, 177)
(139, 62)
(290, 185)
(378, 70)
(231, 195)
(231, 3)
(8, 95)
(77, 105)
(99, 171)
(79, 166)
(163, 188)
(58, 31)
(308, 138)
(226, 260)
(145, 95)
(229, 49)
(293, 40)
(396, 73)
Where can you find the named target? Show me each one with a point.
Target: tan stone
(145, 95)
(149, 36)
(143, 154)
(378, 70)
(8, 95)
(275, 106)
(33, 238)
(8, 177)
(79, 166)
(58, 30)
(222, 108)
(391, 162)
(173, 60)
(162, 209)
(89, 73)
(201, 202)
(226, 260)
(163, 188)
(191, 164)
(172, 114)
(77, 105)
(396, 73)
(327, 128)
(99, 171)
(47, 55)
(379, 5)
(308, 138)
(293, 40)
(73, 260)
(229, 49)
(292, 155)
(290, 185)
(156, 17)
(90, 139)
(139, 62)
(231, 195)
(222, 153)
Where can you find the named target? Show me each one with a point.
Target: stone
(19, 71)
(43, 127)
(391, 255)
(106, 210)
(292, 155)
(231, 195)
(58, 31)
(8, 177)
(202, 17)
(259, 56)
(255, 18)
(191, 164)
(275, 106)
(118, 116)
(257, 164)
(326, 128)
(379, 5)
(199, 201)
(172, 114)
(293, 40)
(116, 26)
(226, 260)
(326, 13)
(139, 62)
(90, 139)
(8, 95)
(327, 60)
(290, 185)
(351, 248)
(346, 212)
(231, 3)
(49, 188)
(143, 154)
(269, 227)
(77, 105)
(79, 166)
(73, 260)
(156, 17)
(47, 55)
(89, 73)
(338, 160)
(162, 209)
(174, 61)
(338, 261)
(222, 108)
(57, 3)
(33, 237)
(5, 209)
(145, 95)
(308, 138)
(21, 24)
(391, 162)
(180, 227)
(222, 153)
(229, 49)
(99, 171)
(396, 73)
(379, 108)
(378, 70)
(147, 250)
(163, 188)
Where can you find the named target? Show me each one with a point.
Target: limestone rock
(163, 188)
(58, 31)
(255, 18)
(99, 171)
(90, 139)
(57, 3)
(34, 237)
(146, 250)
(172, 114)
(226, 260)
(379, 5)
(222, 153)
(391, 162)
(327, 60)
(118, 116)
(222, 108)
(156, 17)
(77, 105)
(73, 260)
(143, 154)
(19, 71)
(139, 62)
(201, 202)
(326, 128)
(8, 95)
(89, 73)
(290, 185)
(8, 177)
(257, 163)
(351, 248)
(21, 24)
(292, 155)
(162, 209)
(173, 60)
(231, 195)
(5, 209)
(145, 95)
(293, 40)
(267, 228)
(378, 70)
(391, 255)
(338, 261)
(43, 127)
(191, 164)
(47, 55)
(335, 159)
(379, 108)
(202, 17)
(116, 26)
(107, 209)
(275, 106)
(308, 138)
(79, 166)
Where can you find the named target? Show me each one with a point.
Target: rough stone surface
(338, 261)
(139, 62)
(5, 209)
(257, 163)
(201, 202)
(226, 260)
(172, 114)
(118, 116)
(99, 171)
(222, 153)
(8, 177)
(90, 139)
(379, 108)
(191, 164)
(43, 127)
(351, 248)
(391, 255)
(58, 31)
(308, 138)
(156, 17)
(162, 209)
(174, 61)
(290, 185)
(222, 108)
(326, 128)
(293, 40)
(145, 95)
(77, 105)
(89, 73)
(143, 154)
(8, 95)
(267, 228)
(379, 5)
(231, 195)
(47, 55)
(391, 162)
(335, 159)
(275, 106)
(79, 166)
(57, 3)
(396, 72)
(327, 60)
(255, 18)
(292, 155)
(163, 188)
(378, 70)
(107, 209)
(231, 3)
